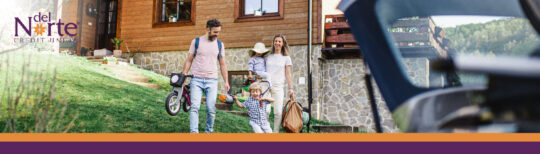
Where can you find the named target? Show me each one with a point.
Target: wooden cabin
(146, 24)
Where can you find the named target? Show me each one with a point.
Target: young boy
(256, 109)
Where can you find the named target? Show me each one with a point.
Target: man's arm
(187, 63)
(224, 73)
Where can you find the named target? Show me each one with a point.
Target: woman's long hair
(284, 47)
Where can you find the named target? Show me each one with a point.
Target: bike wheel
(172, 105)
(185, 104)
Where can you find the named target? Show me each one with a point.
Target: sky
(329, 7)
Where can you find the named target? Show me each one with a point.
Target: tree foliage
(508, 36)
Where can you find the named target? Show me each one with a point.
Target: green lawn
(96, 101)
(103, 103)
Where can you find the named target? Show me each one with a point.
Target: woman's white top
(275, 66)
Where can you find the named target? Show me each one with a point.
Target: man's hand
(227, 88)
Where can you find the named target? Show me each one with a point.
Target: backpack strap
(220, 45)
(196, 46)
(219, 48)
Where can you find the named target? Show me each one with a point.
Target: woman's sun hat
(258, 48)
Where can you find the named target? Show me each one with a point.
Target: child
(256, 109)
(257, 63)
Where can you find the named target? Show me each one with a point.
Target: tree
(509, 36)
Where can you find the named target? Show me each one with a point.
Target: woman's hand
(291, 93)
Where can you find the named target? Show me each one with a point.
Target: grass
(100, 103)
(162, 81)
(105, 104)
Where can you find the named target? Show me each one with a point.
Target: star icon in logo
(39, 29)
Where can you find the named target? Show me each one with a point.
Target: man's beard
(210, 37)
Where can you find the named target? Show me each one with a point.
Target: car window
(420, 40)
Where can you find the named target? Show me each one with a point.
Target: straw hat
(258, 48)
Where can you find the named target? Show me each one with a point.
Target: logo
(36, 28)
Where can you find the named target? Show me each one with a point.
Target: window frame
(158, 8)
(239, 16)
(231, 73)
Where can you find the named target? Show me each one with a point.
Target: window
(404, 29)
(236, 80)
(255, 10)
(479, 36)
(173, 13)
(419, 43)
(412, 29)
(111, 24)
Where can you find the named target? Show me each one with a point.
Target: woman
(278, 65)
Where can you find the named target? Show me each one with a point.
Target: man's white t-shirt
(275, 66)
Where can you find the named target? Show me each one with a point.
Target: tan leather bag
(292, 117)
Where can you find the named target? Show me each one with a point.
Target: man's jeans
(198, 86)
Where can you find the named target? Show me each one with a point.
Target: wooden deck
(339, 42)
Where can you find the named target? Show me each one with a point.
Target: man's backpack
(197, 47)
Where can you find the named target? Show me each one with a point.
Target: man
(204, 54)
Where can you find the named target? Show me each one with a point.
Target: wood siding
(85, 32)
(88, 36)
(68, 14)
(135, 20)
(69, 11)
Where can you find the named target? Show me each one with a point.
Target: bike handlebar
(188, 76)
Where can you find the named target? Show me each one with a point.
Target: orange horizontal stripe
(218, 137)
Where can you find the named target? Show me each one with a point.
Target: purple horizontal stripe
(271, 147)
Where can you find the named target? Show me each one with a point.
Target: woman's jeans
(278, 95)
(210, 88)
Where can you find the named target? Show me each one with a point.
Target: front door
(106, 23)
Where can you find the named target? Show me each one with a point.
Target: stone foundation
(418, 71)
(345, 96)
(172, 62)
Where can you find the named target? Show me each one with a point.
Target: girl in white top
(278, 65)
